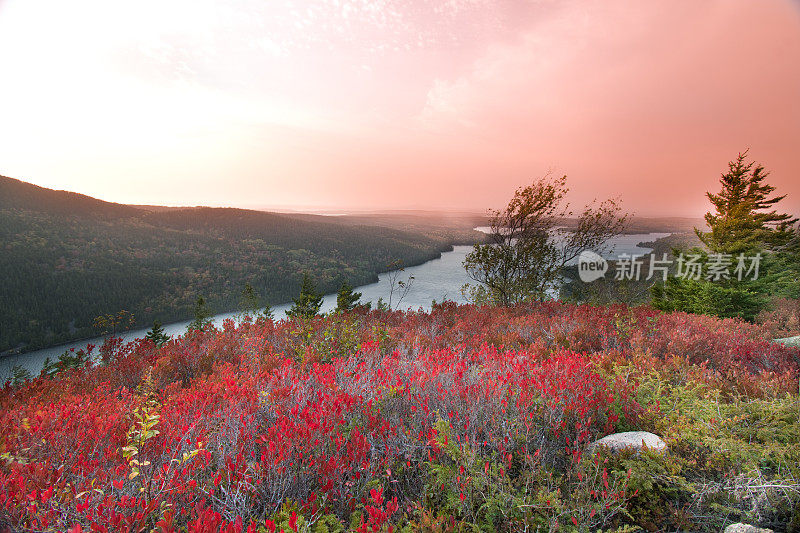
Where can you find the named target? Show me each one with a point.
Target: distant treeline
(68, 258)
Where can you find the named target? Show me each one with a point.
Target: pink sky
(374, 104)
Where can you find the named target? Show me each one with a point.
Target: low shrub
(464, 418)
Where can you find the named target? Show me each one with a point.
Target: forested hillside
(68, 258)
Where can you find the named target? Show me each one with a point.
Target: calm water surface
(439, 279)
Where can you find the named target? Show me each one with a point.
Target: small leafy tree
(157, 334)
(398, 287)
(111, 323)
(530, 246)
(308, 303)
(202, 315)
(146, 418)
(346, 299)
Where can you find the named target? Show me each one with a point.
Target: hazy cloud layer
(397, 103)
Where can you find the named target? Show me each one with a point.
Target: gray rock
(790, 341)
(746, 528)
(636, 440)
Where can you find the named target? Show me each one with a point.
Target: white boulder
(636, 440)
(746, 528)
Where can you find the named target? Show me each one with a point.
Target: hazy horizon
(380, 105)
(344, 210)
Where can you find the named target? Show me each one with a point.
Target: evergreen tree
(267, 313)
(729, 298)
(382, 305)
(68, 360)
(744, 223)
(157, 334)
(308, 304)
(202, 315)
(346, 298)
(251, 303)
(249, 300)
(20, 375)
(745, 220)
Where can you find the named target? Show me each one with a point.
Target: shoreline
(440, 277)
(374, 279)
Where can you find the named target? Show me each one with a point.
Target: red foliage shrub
(782, 319)
(218, 430)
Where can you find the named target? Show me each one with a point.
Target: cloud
(398, 102)
(633, 95)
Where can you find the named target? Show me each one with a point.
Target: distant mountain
(68, 258)
(638, 224)
(16, 194)
(455, 228)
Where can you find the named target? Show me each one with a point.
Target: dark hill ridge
(278, 228)
(68, 258)
(16, 194)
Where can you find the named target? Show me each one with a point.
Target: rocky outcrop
(637, 440)
(746, 528)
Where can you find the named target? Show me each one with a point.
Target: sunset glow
(370, 104)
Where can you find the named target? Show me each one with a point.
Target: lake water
(439, 279)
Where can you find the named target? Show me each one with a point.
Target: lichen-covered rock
(636, 440)
(746, 528)
(790, 341)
